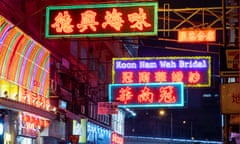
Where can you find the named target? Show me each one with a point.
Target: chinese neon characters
(113, 19)
(90, 20)
(147, 94)
(192, 77)
(125, 95)
(139, 20)
(198, 35)
(63, 23)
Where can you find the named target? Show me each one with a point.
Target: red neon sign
(116, 138)
(101, 20)
(192, 77)
(153, 94)
(197, 35)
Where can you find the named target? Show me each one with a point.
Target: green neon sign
(102, 20)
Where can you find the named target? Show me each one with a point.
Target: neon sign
(34, 99)
(197, 35)
(116, 138)
(192, 71)
(147, 94)
(102, 20)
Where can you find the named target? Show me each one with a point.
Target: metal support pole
(191, 130)
(171, 125)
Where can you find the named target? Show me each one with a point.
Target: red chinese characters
(63, 23)
(127, 77)
(139, 20)
(125, 94)
(191, 77)
(111, 19)
(167, 95)
(147, 94)
(88, 20)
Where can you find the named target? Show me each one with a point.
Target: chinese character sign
(197, 35)
(102, 20)
(230, 98)
(147, 94)
(192, 71)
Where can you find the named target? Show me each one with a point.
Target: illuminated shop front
(24, 86)
(97, 134)
(117, 136)
(79, 131)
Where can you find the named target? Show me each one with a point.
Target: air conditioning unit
(53, 86)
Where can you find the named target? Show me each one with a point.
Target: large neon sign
(192, 71)
(147, 94)
(102, 20)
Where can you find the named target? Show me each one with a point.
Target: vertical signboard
(230, 98)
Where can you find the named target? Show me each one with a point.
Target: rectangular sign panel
(197, 35)
(147, 94)
(230, 98)
(107, 108)
(192, 71)
(102, 20)
(233, 59)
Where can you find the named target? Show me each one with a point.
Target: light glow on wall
(147, 94)
(102, 20)
(23, 61)
(193, 71)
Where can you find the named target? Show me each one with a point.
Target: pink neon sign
(192, 71)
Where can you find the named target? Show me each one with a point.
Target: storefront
(97, 134)
(24, 87)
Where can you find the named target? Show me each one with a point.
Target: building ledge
(18, 106)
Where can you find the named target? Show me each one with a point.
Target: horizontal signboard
(102, 20)
(197, 35)
(192, 71)
(107, 108)
(147, 94)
